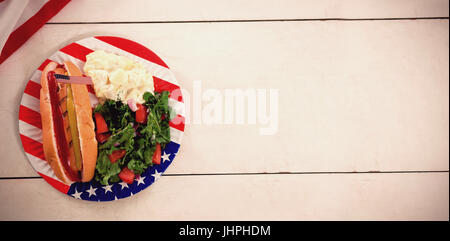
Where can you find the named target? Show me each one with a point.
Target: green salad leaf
(139, 140)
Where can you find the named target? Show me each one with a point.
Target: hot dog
(68, 133)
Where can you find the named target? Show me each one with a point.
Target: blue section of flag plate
(94, 191)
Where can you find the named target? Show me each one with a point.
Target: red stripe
(19, 36)
(30, 116)
(62, 187)
(177, 123)
(90, 89)
(134, 48)
(32, 147)
(162, 85)
(33, 89)
(42, 66)
(77, 51)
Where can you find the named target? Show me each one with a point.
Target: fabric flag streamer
(19, 20)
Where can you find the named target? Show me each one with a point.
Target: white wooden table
(363, 122)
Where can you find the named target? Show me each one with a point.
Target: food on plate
(69, 142)
(131, 120)
(117, 77)
(127, 142)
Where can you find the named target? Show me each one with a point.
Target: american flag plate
(30, 127)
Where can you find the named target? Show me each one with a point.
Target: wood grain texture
(353, 96)
(206, 10)
(249, 197)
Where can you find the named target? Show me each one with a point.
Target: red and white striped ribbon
(19, 20)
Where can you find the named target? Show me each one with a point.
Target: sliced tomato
(141, 114)
(126, 175)
(116, 155)
(100, 123)
(157, 154)
(102, 137)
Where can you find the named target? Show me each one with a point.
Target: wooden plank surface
(248, 197)
(363, 111)
(206, 10)
(349, 99)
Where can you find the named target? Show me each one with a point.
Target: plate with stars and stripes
(30, 126)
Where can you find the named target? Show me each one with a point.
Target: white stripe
(29, 11)
(30, 102)
(176, 135)
(30, 131)
(177, 106)
(36, 77)
(10, 12)
(93, 99)
(41, 166)
(155, 69)
(60, 57)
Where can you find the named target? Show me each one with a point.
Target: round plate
(30, 118)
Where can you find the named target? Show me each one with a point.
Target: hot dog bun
(63, 165)
(48, 131)
(88, 142)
